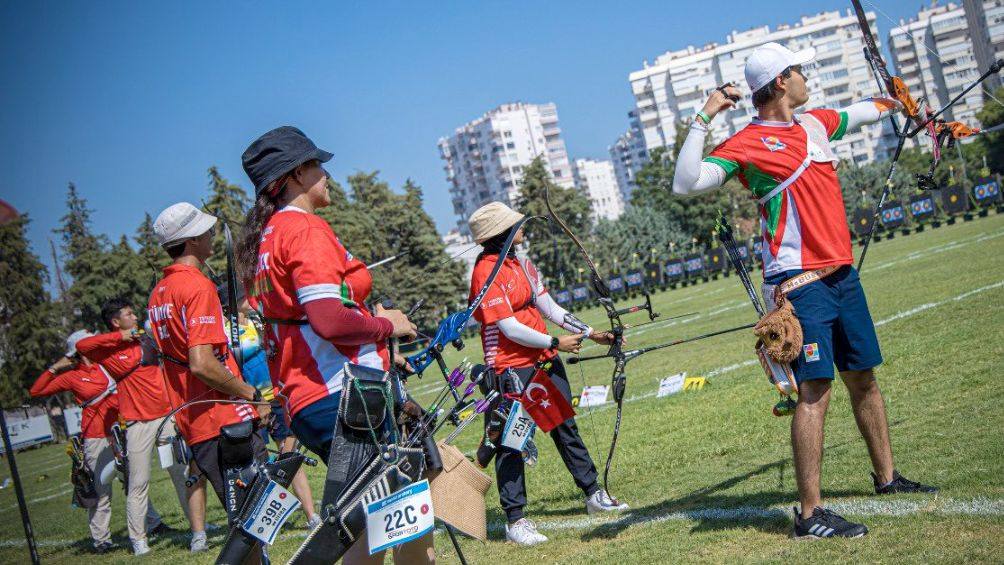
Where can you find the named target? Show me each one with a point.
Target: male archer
(785, 159)
(186, 318)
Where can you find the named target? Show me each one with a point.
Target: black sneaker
(162, 529)
(104, 547)
(899, 483)
(825, 524)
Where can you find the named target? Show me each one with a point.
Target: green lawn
(708, 473)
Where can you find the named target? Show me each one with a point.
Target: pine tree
(151, 254)
(554, 254)
(228, 202)
(696, 214)
(353, 224)
(85, 254)
(31, 337)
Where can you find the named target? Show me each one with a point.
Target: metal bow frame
(921, 118)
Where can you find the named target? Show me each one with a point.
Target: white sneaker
(600, 501)
(199, 543)
(140, 547)
(524, 532)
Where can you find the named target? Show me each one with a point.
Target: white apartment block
(934, 56)
(629, 155)
(986, 30)
(676, 86)
(485, 158)
(598, 181)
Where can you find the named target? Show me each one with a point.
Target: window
(510, 145)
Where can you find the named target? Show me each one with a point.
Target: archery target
(652, 272)
(580, 292)
(717, 260)
(862, 221)
(616, 284)
(563, 296)
(953, 199)
(922, 206)
(634, 279)
(694, 264)
(673, 269)
(986, 191)
(892, 214)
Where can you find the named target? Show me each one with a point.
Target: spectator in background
(143, 403)
(94, 391)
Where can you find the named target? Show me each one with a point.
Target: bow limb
(190, 403)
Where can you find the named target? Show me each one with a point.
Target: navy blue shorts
(837, 326)
(314, 425)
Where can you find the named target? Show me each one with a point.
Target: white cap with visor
(771, 59)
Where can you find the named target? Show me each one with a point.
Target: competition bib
(271, 512)
(519, 426)
(400, 517)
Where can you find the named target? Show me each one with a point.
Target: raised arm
(692, 175)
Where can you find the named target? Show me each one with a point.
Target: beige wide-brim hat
(458, 493)
(492, 219)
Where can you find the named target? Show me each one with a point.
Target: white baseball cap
(71, 342)
(181, 221)
(769, 60)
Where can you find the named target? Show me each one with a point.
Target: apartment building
(986, 30)
(628, 155)
(933, 54)
(674, 88)
(485, 158)
(598, 181)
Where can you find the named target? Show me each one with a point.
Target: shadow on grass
(718, 512)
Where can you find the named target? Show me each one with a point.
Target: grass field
(708, 473)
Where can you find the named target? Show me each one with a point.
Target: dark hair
(246, 248)
(768, 91)
(111, 310)
(176, 249)
(495, 243)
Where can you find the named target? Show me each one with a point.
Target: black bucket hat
(278, 152)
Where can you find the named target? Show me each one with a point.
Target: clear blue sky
(133, 101)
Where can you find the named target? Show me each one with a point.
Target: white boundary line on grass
(980, 507)
(983, 507)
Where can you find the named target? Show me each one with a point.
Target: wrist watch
(554, 342)
(256, 397)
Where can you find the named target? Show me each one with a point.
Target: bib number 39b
(399, 518)
(270, 513)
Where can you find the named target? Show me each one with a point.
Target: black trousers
(509, 469)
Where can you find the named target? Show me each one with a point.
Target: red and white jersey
(184, 312)
(509, 296)
(804, 226)
(299, 260)
(87, 383)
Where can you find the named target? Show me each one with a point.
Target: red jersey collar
(181, 268)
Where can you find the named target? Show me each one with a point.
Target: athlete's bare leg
(807, 440)
(869, 412)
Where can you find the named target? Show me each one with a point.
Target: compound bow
(920, 114)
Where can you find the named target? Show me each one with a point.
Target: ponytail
(250, 237)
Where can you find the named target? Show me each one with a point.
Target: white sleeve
(692, 175)
(554, 312)
(869, 111)
(523, 334)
